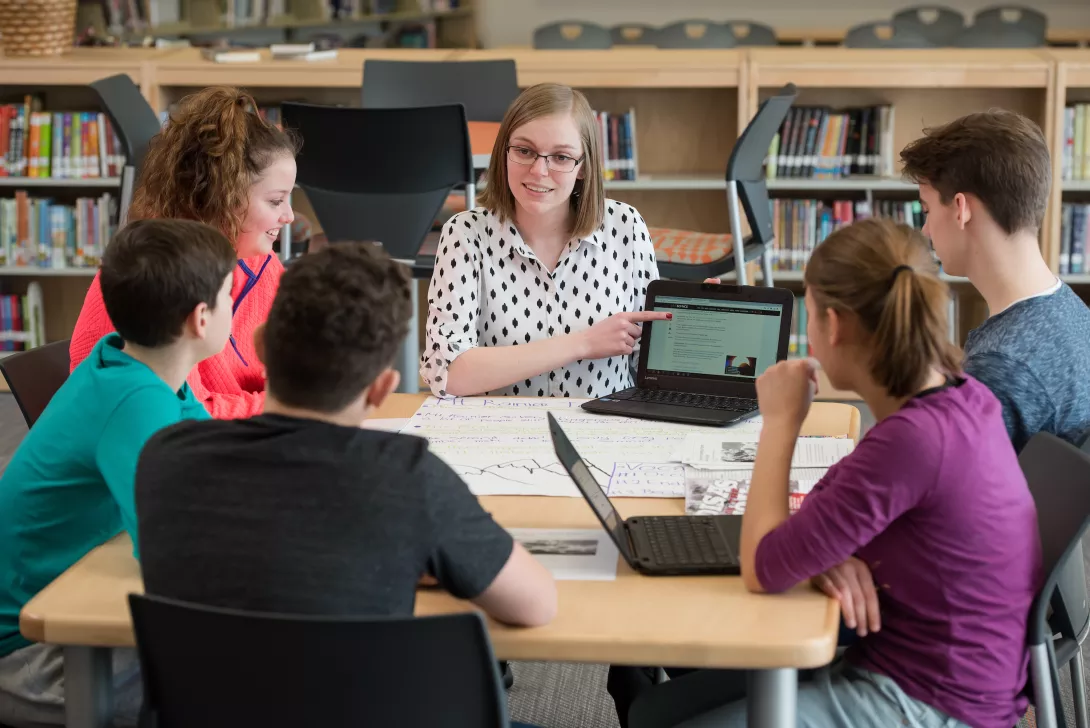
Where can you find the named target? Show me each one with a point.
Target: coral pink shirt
(230, 384)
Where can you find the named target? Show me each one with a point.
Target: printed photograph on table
(738, 452)
(727, 496)
(560, 546)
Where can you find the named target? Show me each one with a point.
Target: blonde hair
(884, 274)
(545, 99)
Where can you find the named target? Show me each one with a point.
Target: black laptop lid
(584, 480)
(720, 339)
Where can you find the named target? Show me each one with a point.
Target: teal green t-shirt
(69, 486)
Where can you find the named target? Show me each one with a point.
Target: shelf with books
(30, 271)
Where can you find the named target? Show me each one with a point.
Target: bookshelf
(1071, 169)
(689, 106)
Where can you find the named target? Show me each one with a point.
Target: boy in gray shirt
(984, 183)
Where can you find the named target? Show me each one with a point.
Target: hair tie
(897, 272)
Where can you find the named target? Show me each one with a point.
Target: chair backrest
(640, 34)
(940, 25)
(287, 671)
(985, 37)
(884, 35)
(380, 174)
(1013, 17)
(1058, 474)
(694, 34)
(571, 35)
(34, 376)
(130, 114)
(747, 33)
(745, 166)
(484, 88)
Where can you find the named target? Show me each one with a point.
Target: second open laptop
(701, 366)
(656, 545)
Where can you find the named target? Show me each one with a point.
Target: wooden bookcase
(1072, 82)
(690, 106)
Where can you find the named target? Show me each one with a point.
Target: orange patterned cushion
(686, 246)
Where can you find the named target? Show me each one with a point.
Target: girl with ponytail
(926, 533)
(218, 162)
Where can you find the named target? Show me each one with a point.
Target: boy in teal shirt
(69, 487)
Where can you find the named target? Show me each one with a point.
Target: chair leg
(766, 266)
(1078, 689)
(1045, 707)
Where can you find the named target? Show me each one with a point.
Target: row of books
(40, 233)
(1074, 239)
(22, 319)
(801, 225)
(59, 145)
(618, 144)
(1075, 164)
(816, 142)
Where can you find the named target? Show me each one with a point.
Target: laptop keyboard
(687, 399)
(688, 540)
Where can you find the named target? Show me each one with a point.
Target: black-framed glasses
(556, 162)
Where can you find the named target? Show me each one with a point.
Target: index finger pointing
(638, 316)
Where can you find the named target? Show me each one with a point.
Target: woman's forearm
(486, 368)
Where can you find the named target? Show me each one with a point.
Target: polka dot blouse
(489, 289)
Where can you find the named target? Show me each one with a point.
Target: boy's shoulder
(1035, 328)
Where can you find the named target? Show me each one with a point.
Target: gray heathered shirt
(1035, 357)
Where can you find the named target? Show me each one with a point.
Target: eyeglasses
(555, 162)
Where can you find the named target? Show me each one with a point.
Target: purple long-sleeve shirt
(935, 503)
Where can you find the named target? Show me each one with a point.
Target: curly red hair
(201, 165)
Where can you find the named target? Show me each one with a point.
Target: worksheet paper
(571, 554)
(726, 451)
(501, 446)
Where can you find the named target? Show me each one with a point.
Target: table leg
(772, 698)
(88, 687)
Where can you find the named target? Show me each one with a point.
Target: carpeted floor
(550, 695)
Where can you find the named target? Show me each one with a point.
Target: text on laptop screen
(735, 340)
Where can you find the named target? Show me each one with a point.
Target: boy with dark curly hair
(300, 510)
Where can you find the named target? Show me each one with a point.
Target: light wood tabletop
(698, 621)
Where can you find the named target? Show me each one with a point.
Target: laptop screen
(589, 487)
(732, 341)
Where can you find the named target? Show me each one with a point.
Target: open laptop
(701, 367)
(656, 545)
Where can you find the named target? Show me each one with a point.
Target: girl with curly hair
(219, 162)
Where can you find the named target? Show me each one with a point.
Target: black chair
(633, 34)
(884, 35)
(752, 34)
(287, 671)
(382, 175)
(135, 123)
(942, 26)
(34, 376)
(694, 34)
(1058, 474)
(572, 35)
(484, 88)
(746, 189)
(1022, 18)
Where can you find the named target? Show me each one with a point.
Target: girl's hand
(785, 391)
(852, 584)
(616, 335)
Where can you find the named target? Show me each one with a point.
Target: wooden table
(697, 621)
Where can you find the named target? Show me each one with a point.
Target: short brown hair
(858, 269)
(338, 319)
(155, 272)
(588, 199)
(201, 165)
(998, 156)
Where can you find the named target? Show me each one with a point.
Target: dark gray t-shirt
(1035, 357)
(292, 515)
